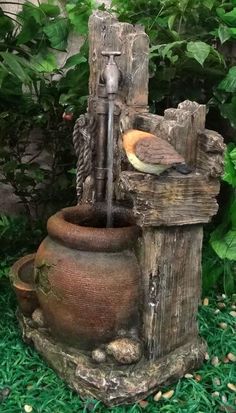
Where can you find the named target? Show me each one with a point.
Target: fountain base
(111, 383)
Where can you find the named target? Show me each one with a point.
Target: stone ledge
(113, 384)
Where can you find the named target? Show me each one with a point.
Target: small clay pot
(87, 276)
(22, 276)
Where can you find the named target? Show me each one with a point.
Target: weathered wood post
(170, 210)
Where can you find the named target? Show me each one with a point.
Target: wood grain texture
(171, 265)
(175, 127)
(106, 34)
(170, 198)
(210, 158)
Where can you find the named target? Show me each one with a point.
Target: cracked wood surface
(170, 199)
(171, 267)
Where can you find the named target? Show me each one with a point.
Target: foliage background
(192, 56)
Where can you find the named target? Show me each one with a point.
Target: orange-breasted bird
(150, 154)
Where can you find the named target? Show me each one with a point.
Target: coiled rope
(83, 145)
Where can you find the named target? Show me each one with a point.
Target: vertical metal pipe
(101, 143)
(110, 148)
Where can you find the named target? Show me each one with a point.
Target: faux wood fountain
(155, 339)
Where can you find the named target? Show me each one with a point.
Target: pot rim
(88, 238)
(15, 270)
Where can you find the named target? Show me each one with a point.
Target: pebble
(215, 361)
(231, 386)
(4, 393)
(216, 381)
(207, 357)
(168, 394)
(231, 357)
(197, 377)
(206, 301)
(233, 307)
(221, 305)
(38, 318)
(125, 350)
(224, 296)
(225, 360)
(223, 326)
(224, 399)
(28, 408)
(188, 376)
(233, 313)
(215, 394)
(143, 403)
(157, 396)
(217, 311)
(99, 355)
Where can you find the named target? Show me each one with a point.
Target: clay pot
(87, 276)
(22, 276)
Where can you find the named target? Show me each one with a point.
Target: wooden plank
(137, 71)
(107, 34)
(147, 122)
(171, 267)
(210, 159)
(184, 129)
(170, 198)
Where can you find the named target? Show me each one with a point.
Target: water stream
(109, 188)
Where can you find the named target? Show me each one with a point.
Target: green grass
(32, 383)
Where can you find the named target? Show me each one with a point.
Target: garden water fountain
(116, 288)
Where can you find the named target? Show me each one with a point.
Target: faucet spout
(111, 75)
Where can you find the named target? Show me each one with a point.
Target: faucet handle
(109, 53)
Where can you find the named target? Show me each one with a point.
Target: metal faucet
(111, 75)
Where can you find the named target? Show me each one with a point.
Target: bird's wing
(155, 150)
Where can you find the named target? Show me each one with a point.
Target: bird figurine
(150, 154)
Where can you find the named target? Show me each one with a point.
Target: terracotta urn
(87, 276)
(22, 277)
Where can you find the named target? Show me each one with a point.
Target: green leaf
(74, 60)
(30, 10)
(78, 15)
(6, 25)
(228, 111)
(57, 33)
(224, 33)
(50, 10)
(224, 246)
(11, 88)
(171, 21)
(44, 62)
(166, 51)
(230, 17)
(209, 4)
(229, 278)
(232, 32)
(198, 51)
(16, 66)
(230, 165)
(228, 84)
(29, 30)
(232, 213)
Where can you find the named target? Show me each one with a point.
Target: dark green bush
(192, 56)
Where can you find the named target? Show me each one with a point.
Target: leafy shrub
(34, 92)
(191, 57)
